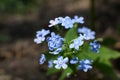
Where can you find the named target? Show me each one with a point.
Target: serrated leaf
(65, 72)
(71, 34)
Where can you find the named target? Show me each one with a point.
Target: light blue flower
(74, 60)
(83, 30)
(61, 63)
(42, 59)
(78, 19)
(95, 46)
(85, 65)
(67, 22)
(88, 34)
(39, 40)
(42, 33)
(57, 51)
(55, 41)
(61, 19)
(50, 64)
(40, 36)
(77, 42)
(54, 22)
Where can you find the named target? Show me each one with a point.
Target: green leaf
(50, 56)
(104, 64)
(107, 70)
(71, 34)
(103, 59)
(65, 72)
(109, 41)
(105, 54)
(52, 71)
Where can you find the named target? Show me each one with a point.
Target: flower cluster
(55, 41)
(85, 65)
(40, 36)
(62, 50)
(66, 22)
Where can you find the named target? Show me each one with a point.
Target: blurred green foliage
(16, 6)
(109, 41)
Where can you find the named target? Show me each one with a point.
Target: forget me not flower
(39, 40)
(42, 33)
(77, 42)
(50, 64)
(67, 22)
(54, 22)
(83, 30)
(85, 65)
(40, 36)
(95, 46)
(78, 19)
(55, 41)
(42, 59)
(74, 60)
(61, 63)
(88, 34)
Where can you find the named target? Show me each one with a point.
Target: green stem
(75, 25)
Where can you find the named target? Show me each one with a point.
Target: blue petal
(42, 59)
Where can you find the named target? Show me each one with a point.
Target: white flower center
(60, 62)
(95, 46)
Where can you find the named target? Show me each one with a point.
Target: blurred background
(20, 19)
